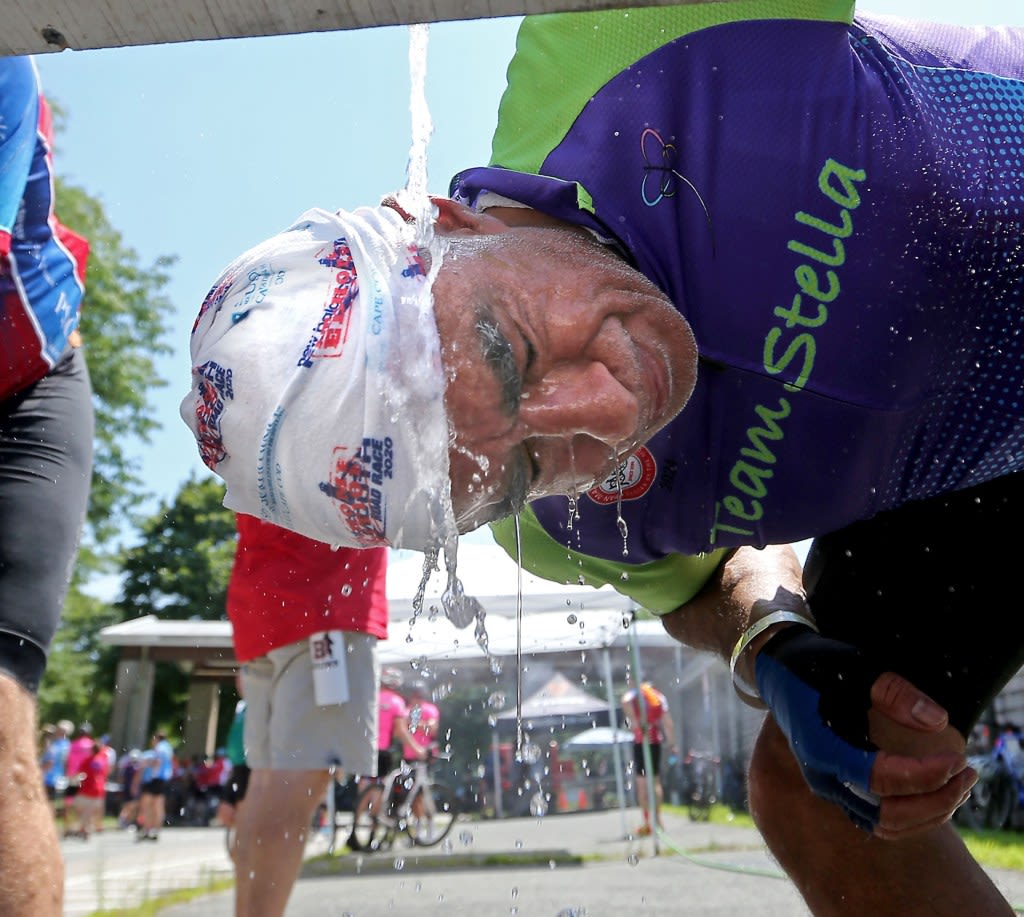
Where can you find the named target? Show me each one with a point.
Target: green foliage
(181, 567)
(124, 327)
(465, 726)
(80, 674)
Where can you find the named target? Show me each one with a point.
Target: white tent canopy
(555, 618)
(599, 737)
(558, 698)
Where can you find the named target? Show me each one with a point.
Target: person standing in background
(46, 436)
(647, 715)
(90, 801)
(236, 780)
(54, 757)
(158, 769)
(424, 721)
(306, 620)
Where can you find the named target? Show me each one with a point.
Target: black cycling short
(155, 787)
(238, 783)
(930, 591)
(46, 434)
(385, 762)
(638, 759)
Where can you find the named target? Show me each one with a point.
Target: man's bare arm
(750, 583)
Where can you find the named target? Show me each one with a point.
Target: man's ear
(453, 217)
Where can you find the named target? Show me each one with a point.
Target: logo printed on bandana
(416, 267)
(633, 478)
(214, 298)
(356, 484)
(215, 389)
(329, 336)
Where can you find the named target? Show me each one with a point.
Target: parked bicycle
(997, 799)
(406, 801)
(701, 769)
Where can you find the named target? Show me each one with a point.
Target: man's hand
(868, 741)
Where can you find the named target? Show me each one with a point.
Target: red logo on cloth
(633, 478)
(358, 499)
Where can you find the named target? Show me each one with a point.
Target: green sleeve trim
(660, 586)
(562, 60)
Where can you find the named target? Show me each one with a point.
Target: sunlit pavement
(112, 869)
(573, 865)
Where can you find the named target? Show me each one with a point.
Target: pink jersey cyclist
(424, 720)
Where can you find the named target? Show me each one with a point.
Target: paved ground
(575, 865)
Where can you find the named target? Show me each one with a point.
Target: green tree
(124, 328)
(181, 566)
(179, 569)
(466, 714)
(79, 680)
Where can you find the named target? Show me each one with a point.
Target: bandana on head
(317, 384)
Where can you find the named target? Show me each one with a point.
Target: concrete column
(201, 719)
(133, 698)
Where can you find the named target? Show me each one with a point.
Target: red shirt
(655, 704)
(96, 769)
(285, 587)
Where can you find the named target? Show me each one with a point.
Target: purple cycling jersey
(835, 206)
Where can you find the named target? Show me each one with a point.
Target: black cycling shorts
(930, 591)
(155, 787)
(238, 783)
(46, 434)
(638, 759)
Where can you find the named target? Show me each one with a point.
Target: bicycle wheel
(371, 828)
(432, 814)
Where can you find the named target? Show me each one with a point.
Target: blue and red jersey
(42, 263)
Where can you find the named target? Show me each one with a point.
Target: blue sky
(200, 150)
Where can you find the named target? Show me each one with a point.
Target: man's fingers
(899, 700)
(907, 816)
(899, 775)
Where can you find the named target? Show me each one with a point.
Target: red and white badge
(633, 478)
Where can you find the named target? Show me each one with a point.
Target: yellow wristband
(780, 616)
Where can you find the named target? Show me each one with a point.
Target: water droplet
(572, 620)
(399, 864)
(633, 859)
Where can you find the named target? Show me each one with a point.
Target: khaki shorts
(284, 727)
(87, 806)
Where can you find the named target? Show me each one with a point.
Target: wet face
(561, 360)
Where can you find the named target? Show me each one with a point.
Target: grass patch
(719, 815)
(154, 905)
(994, 849)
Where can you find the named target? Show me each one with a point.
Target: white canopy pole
(620, 786)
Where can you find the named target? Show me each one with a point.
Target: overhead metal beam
(39, 26)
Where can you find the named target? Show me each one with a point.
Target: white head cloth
(317, 384)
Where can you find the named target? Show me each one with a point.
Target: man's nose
(577, 399)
